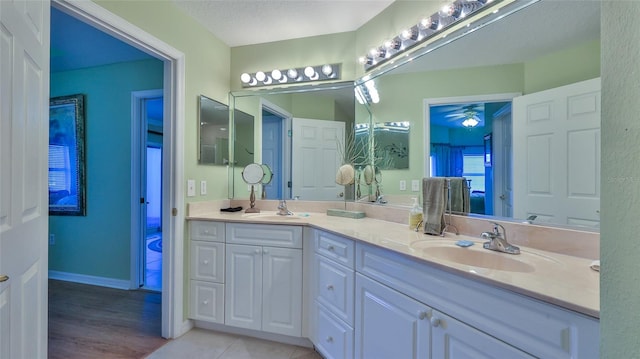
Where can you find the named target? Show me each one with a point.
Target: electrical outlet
(403, 185)
(203, 188)
(52, 239)
(191, 188)
(415, 185)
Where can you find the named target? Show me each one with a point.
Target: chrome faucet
(283, 210)
(498, 241)
(380, 199)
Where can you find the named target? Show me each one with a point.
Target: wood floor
(96, 322)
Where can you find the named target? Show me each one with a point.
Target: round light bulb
(292, 73)
(245, 78)
(260, 76)
(276, 75)
(309, 71)
(327, 70)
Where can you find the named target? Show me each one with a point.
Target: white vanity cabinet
(468, 318)
(263, 278)
(206, 285)
(333, 293)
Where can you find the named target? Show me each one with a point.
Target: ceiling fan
(467, 113)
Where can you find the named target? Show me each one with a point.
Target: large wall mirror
(542, 46)
(302, 134)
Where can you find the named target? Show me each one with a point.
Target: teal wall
(98, 244)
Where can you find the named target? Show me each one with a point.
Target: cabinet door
(282, 291)
(389, 324)
(455, 340)
(207, 301)
(243, 292)
(207, 261)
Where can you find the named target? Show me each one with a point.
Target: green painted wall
(98, 244)
(620, 197)
(207, 67)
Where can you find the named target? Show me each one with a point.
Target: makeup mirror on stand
(253, 174)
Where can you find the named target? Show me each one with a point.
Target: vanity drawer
(207, 261)
(207, 301)
(206, 231)
(264, 235)
(338, 248)
(335, 287)
(334, 338)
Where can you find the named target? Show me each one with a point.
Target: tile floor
(200, 343)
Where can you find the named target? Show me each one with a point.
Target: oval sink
(270, 216)
(479, 258)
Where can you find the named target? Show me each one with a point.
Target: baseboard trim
(90, 279)
(303, 342)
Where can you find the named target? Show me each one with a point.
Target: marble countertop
(563, 280)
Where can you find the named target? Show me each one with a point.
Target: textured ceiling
(239, 23)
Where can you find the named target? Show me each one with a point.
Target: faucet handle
(496, 229)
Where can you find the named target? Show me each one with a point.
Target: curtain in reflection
(441, 156)
(448, 160)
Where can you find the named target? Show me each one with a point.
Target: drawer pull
(329, 339)
(266, 251)
(435, 322)
(205, 262)
(330, 287)
(423, 314)
(331, 248)
(205, 302)
(206, 231)
(257, 251)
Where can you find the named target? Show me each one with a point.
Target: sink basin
(271, 216)
(480, 258)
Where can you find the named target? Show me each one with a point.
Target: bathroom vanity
(369, 288)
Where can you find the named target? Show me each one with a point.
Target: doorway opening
(150, 104)
(478, 151)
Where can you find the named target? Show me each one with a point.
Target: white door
(24, 129)
(455, 340)
(282, 291)
(243, 292)
(316, 159)
(389, 324)
(556, 149)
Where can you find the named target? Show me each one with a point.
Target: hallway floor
(153, 268)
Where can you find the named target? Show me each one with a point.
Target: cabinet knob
(257, 251)
(266, 251)
(205, 261)
(206, 231)
(423, 314)
(330, 287)
(435, 322)
(331, 248)
(329, 339)
(205, 302)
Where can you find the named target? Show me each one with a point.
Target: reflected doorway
(276, 150)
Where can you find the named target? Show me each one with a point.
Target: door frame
(286, 142)
(173, 321)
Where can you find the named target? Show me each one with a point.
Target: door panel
(282, 291)
(243, 292)
(557, 154)
(24, 124)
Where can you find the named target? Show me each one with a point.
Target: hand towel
(456, 193)
(434, 194)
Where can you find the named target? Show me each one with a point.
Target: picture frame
(488, 156)
(67, 183)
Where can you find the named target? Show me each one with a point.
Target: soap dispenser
(415, 214)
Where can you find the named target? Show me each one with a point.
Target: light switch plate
(403, 185)
(203, 188)
(415, 185)
(191, 188)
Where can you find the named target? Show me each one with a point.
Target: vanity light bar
(427, 28)
(293, 75)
